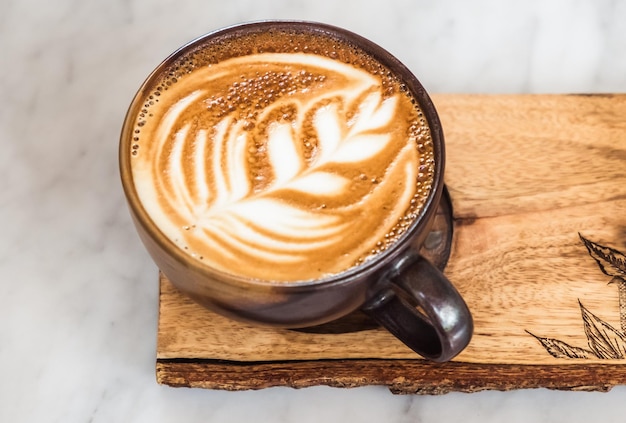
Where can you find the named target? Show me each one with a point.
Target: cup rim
(369, 47)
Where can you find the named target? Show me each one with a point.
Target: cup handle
(424, 310)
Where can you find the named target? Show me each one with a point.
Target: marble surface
(78, 297)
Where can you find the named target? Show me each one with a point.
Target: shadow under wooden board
(538, 189)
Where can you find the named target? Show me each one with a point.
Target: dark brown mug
(398, 287)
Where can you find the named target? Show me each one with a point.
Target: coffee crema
(280, 156)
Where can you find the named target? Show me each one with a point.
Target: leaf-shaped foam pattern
(360, 147)
(272, 242)
(374, 113)
(264, 165)
(285, 160)
(320, 183)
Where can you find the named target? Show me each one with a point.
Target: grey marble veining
(78, 298)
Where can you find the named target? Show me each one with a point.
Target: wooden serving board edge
(399, 376)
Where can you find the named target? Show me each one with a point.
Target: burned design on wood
(604, 341)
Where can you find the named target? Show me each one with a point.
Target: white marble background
(78, 294)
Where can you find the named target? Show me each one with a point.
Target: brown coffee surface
(283, 156)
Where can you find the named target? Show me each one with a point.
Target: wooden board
(538, 187)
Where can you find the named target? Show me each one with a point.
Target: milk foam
(280, 166)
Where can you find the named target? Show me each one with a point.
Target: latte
(282, 156)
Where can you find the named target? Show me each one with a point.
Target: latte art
(281, 166)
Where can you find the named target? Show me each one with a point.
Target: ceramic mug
(398, 288)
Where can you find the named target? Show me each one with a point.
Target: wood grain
(527, 175)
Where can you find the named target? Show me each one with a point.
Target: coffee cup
(287, 173)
